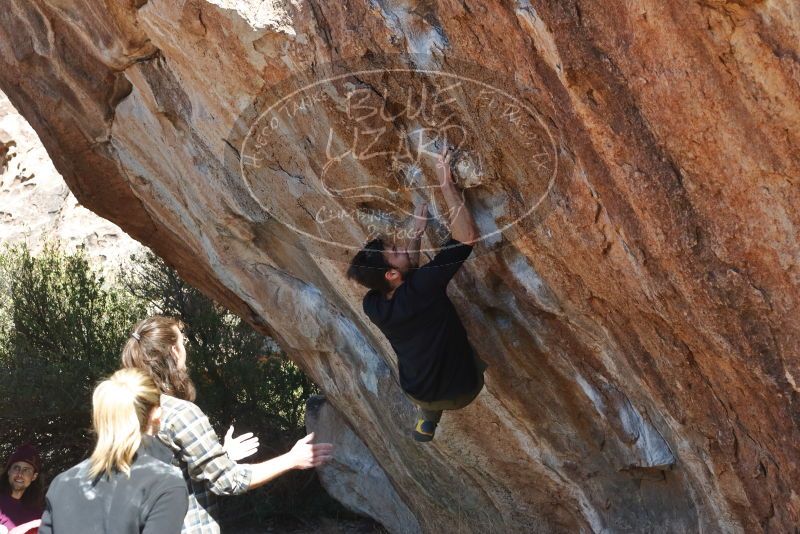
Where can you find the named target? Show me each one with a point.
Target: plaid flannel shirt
(206, 467)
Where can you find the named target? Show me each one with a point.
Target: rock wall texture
(640, 320)
(36, 207)
(354, 476)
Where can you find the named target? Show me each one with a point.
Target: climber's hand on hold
(462, 224)
(443, 167)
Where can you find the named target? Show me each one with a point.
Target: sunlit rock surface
(36, 207)
(640, 315)
(353, 476)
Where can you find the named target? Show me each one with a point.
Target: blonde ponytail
(121, 407)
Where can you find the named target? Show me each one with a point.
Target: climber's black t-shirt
(434, 356)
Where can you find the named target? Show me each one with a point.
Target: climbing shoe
(424, 430)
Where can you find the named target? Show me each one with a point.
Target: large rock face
(640, 315)
(353, 476)
(36, 207)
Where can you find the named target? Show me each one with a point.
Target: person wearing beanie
(21, 488)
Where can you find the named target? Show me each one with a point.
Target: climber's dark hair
(369, 267)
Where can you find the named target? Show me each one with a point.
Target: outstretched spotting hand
(241, 446)
(306, 454)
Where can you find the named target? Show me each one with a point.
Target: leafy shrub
(61, 331)
(62, 328)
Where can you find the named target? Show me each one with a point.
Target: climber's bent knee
(462, 401)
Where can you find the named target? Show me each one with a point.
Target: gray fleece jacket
(153, 500)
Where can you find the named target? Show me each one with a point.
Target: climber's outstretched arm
(420, 222)
(462, 224)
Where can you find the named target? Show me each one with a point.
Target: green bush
(62, 328)
(61, 331)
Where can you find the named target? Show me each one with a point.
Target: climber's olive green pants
(432, 411)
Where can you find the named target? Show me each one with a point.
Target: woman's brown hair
(150, 349)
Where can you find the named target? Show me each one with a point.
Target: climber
(439, 370)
